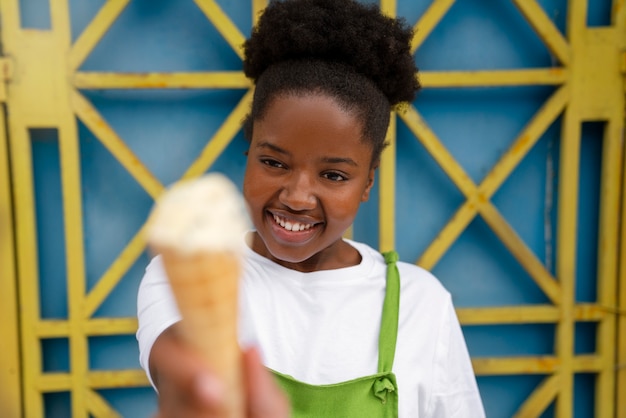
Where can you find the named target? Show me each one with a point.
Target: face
(308, 171)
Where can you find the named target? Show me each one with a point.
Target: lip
(291, 237)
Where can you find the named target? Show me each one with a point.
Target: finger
(265, 399)
(182, 378)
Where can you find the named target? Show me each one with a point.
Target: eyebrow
(272, 147)
(328, 160)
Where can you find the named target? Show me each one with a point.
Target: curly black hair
(342, 48)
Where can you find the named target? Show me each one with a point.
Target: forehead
(314, 114)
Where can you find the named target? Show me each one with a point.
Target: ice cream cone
(205, 287)
(197, 227)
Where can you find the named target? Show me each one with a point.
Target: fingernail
(208, 388)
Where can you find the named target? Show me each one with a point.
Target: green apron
(374, 396)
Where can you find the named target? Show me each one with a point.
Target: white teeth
(292, 226)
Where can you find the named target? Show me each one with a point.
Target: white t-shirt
(322, 327)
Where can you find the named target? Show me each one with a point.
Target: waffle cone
(205, 286)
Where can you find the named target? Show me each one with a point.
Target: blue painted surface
(166, 129)
(35, 15)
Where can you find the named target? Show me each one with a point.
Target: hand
(188, 389)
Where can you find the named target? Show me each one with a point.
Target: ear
(370, 183)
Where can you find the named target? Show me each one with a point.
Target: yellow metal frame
(44, 91)
(10, 377)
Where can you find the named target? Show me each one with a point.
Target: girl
(344, 330)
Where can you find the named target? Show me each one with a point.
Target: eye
(272, 162)
(334, 176)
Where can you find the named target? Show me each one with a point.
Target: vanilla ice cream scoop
(204, 214)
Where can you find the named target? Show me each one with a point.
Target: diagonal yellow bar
(540, 399)
(89, 38)
(389, 7)
(543, 25)
(123, 262)
(429, 20)
(223, 24)
(503, 168)
(221, 139)
(433, 145)
(101, 129)
(98, 407)
(257, 8)
(529, 136)
(448, 235)
(521, 252)
(196, 80)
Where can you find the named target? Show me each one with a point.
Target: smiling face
(308, 170)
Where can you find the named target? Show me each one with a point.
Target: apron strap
(389, 321)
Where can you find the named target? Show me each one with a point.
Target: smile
(292, 225)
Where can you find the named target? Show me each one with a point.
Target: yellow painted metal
(618, 19)
(540, 399)
(528, 314)
(532, 77)
(478, 196)
(55, 382)
(387, 170)
(495, 366)
(223, 24)
(221, 138)
(94, 32)
(99, 407)
(543, 25)
(196, 80)
(114, 273)
(43, 93)
(93, 327)
(620, 367)
(257, 8)
(28, 82)
(386, 190)
(429, 20)
(101, 129)
(10, 377)
(608, 240)
(389, 7)
(566, 257)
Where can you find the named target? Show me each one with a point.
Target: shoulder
(413, 278)
(412, 274)
(154, 274)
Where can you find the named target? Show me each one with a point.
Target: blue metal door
(504, 178)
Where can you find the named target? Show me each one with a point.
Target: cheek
(346, 207)
(249, 187)
(257, 189)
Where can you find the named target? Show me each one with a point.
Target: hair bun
(343, 31)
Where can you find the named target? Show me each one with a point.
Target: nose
(297, 193)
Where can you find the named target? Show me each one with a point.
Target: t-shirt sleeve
(455, 393)
(156, 310)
